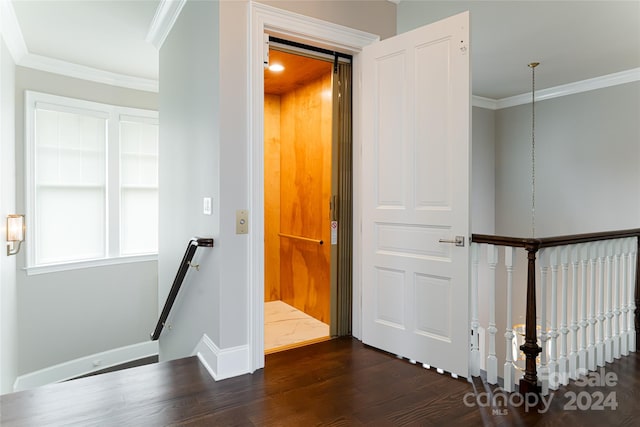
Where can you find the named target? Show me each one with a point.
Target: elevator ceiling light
(276, 67)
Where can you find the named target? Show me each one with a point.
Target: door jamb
(314, 32)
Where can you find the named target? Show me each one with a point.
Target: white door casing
(415, 192)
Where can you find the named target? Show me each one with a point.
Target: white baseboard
(85, 365)
(225, 363)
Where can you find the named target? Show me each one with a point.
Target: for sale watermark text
(594, 395)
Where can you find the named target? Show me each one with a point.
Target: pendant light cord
(533, 66)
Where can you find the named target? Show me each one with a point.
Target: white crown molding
(12, 35)
(11, 32)
(83, 72)
(312, 30)
(85, 365)
(166, 15)
(482, 102)
(601, 82)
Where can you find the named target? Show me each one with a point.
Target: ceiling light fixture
(276, 67)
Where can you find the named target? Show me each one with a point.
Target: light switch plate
(242, 222)
(206, 205)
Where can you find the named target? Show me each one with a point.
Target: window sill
(79, 265)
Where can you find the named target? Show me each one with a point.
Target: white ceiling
(107, 35)
(575, 40)
(572, 40)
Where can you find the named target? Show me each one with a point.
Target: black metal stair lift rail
(194, 243)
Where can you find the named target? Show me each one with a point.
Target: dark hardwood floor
(334, 383)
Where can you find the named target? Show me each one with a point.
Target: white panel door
(416, 164)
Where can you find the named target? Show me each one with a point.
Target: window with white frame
(91, 183)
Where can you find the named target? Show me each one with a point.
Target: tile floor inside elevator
(286, 327)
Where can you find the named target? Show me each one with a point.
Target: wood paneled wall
(304, 192)
(272, 196)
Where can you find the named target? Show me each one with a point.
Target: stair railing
(602, 269)
(194, 243)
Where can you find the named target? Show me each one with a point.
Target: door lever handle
(459, 241)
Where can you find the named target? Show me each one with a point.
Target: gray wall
(587, 174)
(189, 171)
(66, 315)
(8, 290)
(483, 171)
(587, 164)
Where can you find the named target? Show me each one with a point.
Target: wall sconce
(15, 233)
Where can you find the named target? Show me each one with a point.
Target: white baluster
(474, 358)
(624, 292)
(543, 372)
(601, 317)
(563, 360)
(492, 360)
(553, 333)
(632, 294)
(591, 349)
(584, 314)
(509, 368)
(608, 342)
(573, 356)
(616, 337)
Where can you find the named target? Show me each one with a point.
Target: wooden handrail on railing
(531, 349)
(194, 243)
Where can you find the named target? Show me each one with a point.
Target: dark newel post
(529, 383)
(637, 296)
